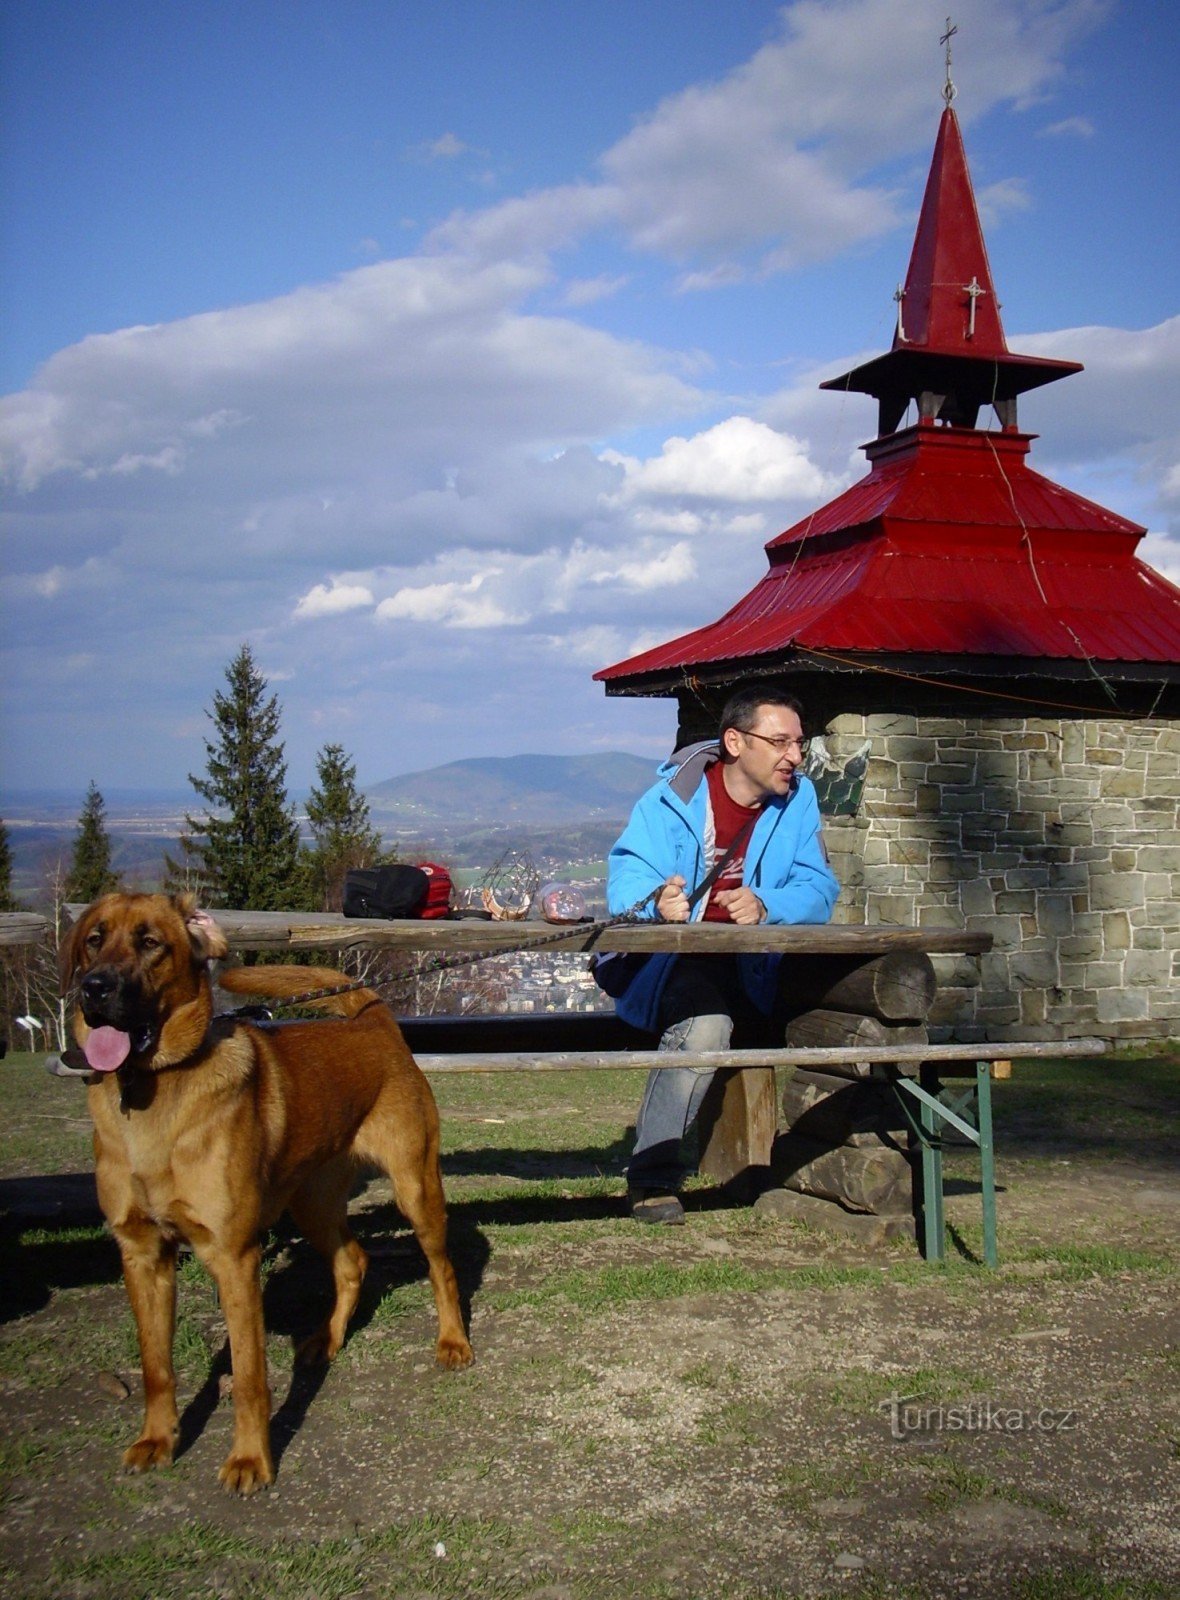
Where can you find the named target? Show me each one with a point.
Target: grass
(431, 1555)
(567, 1292)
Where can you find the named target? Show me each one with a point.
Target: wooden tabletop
(326, 930)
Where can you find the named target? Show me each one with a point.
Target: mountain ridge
(533, 789)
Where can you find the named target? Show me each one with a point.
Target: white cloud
(996, 200)
(1121, 413)
(585, 291)
(1069, 127)
(333, 599)
(514, 497)
(739, 459)
(454, 605)
(1162, 553)
(447, 147)
(774, 164)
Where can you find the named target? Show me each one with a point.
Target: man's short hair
(741, 709)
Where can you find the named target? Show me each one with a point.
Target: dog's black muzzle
(109, 998)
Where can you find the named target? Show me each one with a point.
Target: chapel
(991, 673)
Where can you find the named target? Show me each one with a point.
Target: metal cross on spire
(948, 91)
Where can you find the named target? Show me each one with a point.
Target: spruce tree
(90, 874)
(338, 815)
(245, 852)
(7, 898)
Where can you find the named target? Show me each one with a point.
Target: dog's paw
(454, 1353)
(243, 1474)
(317, 1349)
(149, 1452)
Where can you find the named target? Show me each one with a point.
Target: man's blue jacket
(671, 831)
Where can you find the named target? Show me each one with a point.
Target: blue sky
(447, 353)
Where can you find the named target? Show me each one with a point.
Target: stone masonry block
(948, 772)
(1148, 967)
(1116, 930)
(1104, 975)
(1122, 1005)
(1116, 891)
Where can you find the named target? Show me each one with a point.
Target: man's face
(766, 758)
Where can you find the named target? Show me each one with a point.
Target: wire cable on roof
(968, 688)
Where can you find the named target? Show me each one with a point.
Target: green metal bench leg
(987, 1159)
(933, 1223)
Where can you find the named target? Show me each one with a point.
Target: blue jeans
(696, 1013)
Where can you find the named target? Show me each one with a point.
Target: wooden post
(737, 1126)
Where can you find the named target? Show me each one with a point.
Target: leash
(583, 930)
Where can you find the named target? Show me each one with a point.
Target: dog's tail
(281, 983)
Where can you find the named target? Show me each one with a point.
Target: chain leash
(590, 930)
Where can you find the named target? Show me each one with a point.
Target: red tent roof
(951, 546)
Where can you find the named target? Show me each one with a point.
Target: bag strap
(739, 839)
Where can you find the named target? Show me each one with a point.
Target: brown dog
(207, 1128)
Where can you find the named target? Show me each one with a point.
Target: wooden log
(837, 1029)
(876, 1178)
(899, 986)
(329, 930)
(22, 927)
(737, 1127)
(855, 1061)
(833, 1111)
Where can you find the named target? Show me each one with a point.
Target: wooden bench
(738, 1136)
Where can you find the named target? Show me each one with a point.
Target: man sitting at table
(742, 797)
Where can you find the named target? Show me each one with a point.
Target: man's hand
(672, 904)
(743, 905)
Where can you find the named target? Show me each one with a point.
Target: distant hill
(531, 791)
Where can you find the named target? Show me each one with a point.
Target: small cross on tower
(948, 91)
(973, 290)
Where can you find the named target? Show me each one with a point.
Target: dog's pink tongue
(106, 1048)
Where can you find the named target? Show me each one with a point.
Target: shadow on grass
(42, 1254)
(492, 1161)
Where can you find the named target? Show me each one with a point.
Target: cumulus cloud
(332, 599)
(454, 605)
(774, 165)
(1121, 413)
(466, 494)
(739, 459)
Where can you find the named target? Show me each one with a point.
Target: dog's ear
(69, 951)
(208, 941)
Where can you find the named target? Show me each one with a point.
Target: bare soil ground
(738, 1408)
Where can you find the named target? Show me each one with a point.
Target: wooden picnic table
(740, 1117)
(840, 965)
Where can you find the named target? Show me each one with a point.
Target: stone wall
(1061, 839)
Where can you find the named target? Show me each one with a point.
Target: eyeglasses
(779, 742)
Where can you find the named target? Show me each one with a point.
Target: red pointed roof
(949, 352)
(949, 301)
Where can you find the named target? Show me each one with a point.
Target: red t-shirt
(728, 819)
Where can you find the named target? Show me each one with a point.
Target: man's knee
(712, 1031)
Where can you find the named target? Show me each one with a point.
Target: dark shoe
(649, 1205)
